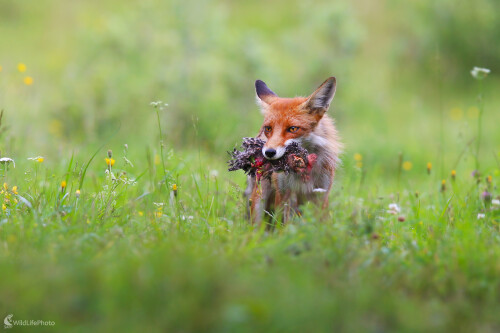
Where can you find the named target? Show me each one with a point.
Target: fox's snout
(273, 153)
(270, 152)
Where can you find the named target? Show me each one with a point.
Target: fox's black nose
(270, 152)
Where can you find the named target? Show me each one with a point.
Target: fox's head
(291, 119)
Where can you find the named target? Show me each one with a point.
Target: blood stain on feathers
(250, 159)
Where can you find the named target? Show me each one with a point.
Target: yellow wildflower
(453, 174)
(77, 193)
(4, 207)
(407, 165)
(358, 157)
(14, 189)
(157, 159)
(5, 186)
(21, 67)
(63, 184)
(456, 114)
(429, 167)
(158, 214)
(28, 80)
(110, 161)
(489, 179)
(174, 187)
(0, 68)
(40, 159)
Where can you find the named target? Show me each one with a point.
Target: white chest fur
(321, 175)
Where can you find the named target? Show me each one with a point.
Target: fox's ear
(264, 94)
(320, 100)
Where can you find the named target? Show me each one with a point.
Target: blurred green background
(96, 66)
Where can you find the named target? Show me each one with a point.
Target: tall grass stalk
(479, 123)
(479, 74)
(439, 80)
(158, 107)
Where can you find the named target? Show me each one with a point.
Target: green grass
(132, 256)
(129, 254)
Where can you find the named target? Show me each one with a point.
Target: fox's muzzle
(273, 153)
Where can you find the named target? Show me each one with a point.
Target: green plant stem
(441, 117)
(161, 149)
(479, 123)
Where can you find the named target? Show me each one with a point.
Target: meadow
(118, 212)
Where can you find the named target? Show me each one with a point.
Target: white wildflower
(495, 202)
(110, 174)
(7, 160)
(394, 209)
(159, 105)
(127, 161)
(481, 216)
(479, 73)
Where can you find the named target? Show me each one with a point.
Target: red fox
(300, 119)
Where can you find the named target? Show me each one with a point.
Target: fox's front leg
(284, 203)
(288, 207)
(259, 200)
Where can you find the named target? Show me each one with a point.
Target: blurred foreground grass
(126, 253)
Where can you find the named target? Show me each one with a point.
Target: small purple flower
(486, 196)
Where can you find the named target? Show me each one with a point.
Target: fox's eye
(293, 129)
(267, 129)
